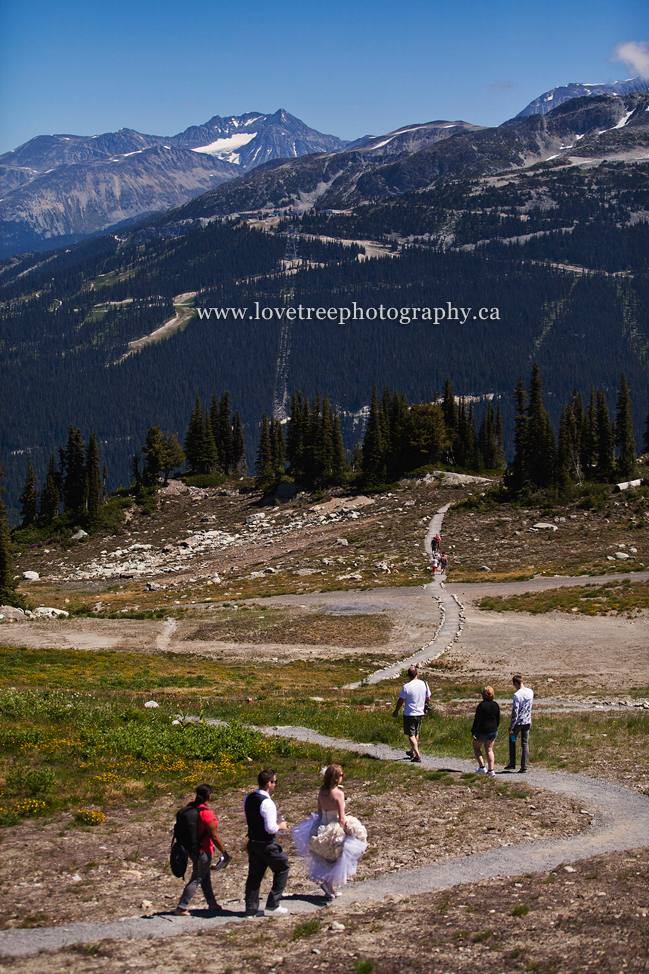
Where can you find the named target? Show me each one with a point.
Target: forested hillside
(556, 255)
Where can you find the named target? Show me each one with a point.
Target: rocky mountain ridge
(57, 189)
(605, 127)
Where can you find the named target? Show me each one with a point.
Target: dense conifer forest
(569, 287)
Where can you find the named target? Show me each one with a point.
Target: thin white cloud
(635, 54)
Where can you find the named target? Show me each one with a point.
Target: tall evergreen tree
(516, 475)
(264, 463)
(540, 446)
(627, 462)
(93, 479)
(605, 440)
(8, 593)
(373, 469)
(224, 439)
(153, 451)
(74, 477)
(238, 445)
(173, 455)
(50, 495)
(29, 499)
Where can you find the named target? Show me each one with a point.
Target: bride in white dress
(331, 841)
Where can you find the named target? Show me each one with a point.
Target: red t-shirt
(206, 816)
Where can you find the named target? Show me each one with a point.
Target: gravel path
(621, 821)
(450, 627)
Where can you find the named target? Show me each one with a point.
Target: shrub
(520, 910)
(86, 816)
(306, 929)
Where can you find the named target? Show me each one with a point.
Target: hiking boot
(279, 911)
(509, 767)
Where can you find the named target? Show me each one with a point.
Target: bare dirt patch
(593, 917)
(286, 627)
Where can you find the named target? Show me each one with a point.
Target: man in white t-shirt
(520, 723)
(416, 696)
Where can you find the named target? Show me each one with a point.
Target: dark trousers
(525, 745)
(200, 876)
(263, 856)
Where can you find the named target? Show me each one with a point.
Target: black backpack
(187, 837)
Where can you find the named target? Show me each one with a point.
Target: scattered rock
(545, 526)
(343, 542)
(80, 535)
(152, 587)
(31, 576)
(484, 568)
(151, 705)
(622, 556)
(47, 612)
(336, 927)
(270, 571)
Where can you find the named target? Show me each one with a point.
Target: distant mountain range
(557, 96)
(57, 189)
(420, 157)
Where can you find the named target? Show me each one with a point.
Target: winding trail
(449, 629)
(620, 821)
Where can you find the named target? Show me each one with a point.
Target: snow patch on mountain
(222, 148)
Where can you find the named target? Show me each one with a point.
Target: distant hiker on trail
(264, 851)
(416, 696)
(485, 731)
(196, 830)
(435, 543)
(445, 563)
(521, 721)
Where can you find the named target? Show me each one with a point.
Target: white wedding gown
(348, 851)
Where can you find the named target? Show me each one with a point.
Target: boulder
(152, 587)
(80, 535)
(343, 542)
(622, 556)
(31, 576)
(626, 484)
(544, 526)
(151, 705)
(9, 613)
(47, 612)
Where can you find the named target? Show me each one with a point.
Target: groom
(264, 852)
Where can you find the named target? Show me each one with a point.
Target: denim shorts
(482, 738)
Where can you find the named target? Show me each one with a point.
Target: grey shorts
(411, 726)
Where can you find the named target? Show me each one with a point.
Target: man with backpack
(196, 831)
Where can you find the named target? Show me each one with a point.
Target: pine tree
(194, 437)
(294, 440)
(589, 437)
(173, 455)
(540, 446)
(74, 478)
(93, 479)
(264, 462)
(224, 440)
(8, 593)
(238, 445)
(605, 440)
(339, 463)
(153, 451)
(29, 499)
(278, 448)
(50, 495)
(373, 447)
(627, 463)
(516, 474)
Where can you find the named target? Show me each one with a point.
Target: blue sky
(348, 68)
